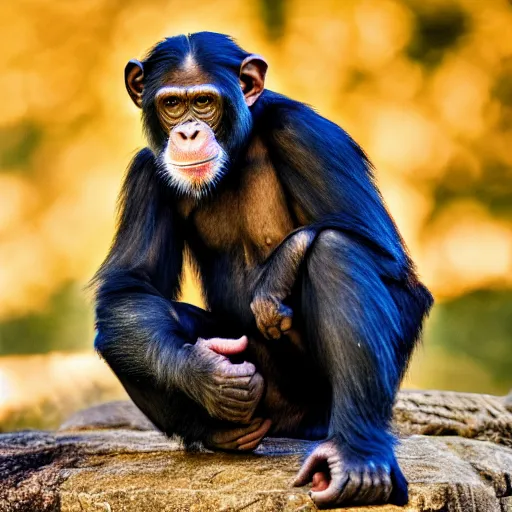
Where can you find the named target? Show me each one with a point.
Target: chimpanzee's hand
(273, 318)
(227, 391)
(244, 438)
(341, 479)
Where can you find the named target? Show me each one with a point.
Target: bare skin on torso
(250, 221)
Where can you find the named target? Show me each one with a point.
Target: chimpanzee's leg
(360, 330)
(170, 409)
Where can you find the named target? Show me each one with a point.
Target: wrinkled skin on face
(193, 158)
(191, 112)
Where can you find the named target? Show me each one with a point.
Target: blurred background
(424, 87)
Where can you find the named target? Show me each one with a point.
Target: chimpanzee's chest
(251, 219)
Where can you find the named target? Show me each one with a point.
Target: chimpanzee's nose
(189, 136)
(188, 131)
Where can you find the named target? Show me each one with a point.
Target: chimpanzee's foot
(244, 438)
(273, 318)
(339, 479)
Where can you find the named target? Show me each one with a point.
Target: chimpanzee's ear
(134, 81)
(252, 77)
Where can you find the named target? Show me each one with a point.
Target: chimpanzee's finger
(231, 414)
(262, 328)
(226, 346)
(239, 394)
(229, 370)
(286, 324)
(274, 332)
(331, 495)
(228, 435)
(243, 438)
(247, 447)
(309, 467)
(238, 405)
(257, 435)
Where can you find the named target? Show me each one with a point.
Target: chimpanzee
(313, 303)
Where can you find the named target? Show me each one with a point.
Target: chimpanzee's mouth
(194, 164)
(194, 177)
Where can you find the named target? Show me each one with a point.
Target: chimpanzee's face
(200, 123)
(193, 158)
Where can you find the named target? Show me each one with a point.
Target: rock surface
(439, 413)
(109, 459)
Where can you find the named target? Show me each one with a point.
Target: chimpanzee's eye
(171, 101)
(203, 101)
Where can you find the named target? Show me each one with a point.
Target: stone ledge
(115, 462)
(142, 471)
(439, 413)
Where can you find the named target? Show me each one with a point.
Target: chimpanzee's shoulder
(277, 110)
(296, 123)
(274, 111)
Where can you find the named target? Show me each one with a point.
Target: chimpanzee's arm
(329, 177)
(140, 277)
(276, 282)
(148, 341)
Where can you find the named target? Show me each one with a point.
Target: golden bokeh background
(424, 87)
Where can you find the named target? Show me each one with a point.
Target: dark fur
(357, 303)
